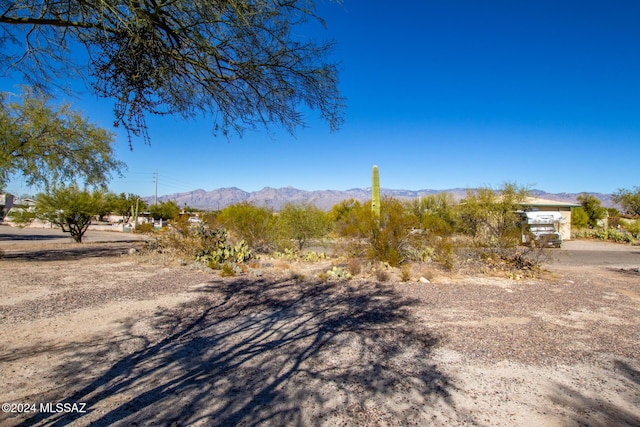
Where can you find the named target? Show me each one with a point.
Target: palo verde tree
(52, 145)
(592, 206)
(164, 210)
(300, 223)
(490, 216)
(126, 205)
(69, 208)
(629, 200)
(245, 62)
(253, 224)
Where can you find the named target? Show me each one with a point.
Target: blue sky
(440, 94)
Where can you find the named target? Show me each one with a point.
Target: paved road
(15, 236)
(596, 253)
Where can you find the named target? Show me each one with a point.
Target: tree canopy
(593, 208)
(69, 208)
(164, 210)
(126, 205)
(50, 146)
(629, 200)
(238, 60)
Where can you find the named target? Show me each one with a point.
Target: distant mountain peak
(324, 199)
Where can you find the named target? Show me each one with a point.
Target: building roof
(535, 202)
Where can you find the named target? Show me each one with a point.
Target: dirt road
(132, 340)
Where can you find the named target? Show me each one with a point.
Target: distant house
(542, 205)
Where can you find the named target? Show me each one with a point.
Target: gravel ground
(130, 340)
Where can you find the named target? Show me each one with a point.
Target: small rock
(133, 251)
(423, 280)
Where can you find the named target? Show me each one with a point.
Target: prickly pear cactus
(217, 249)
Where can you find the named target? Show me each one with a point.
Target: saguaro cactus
(375, 191)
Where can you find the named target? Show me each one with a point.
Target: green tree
(244, 62)
(629, 200)
(49, 146)
(491, 216)
(69, 208)
(579, 218)
(346, 217)
(165, 210)
(390, 236)
(593, 208)
(253, 224)
(435, 213)
(301, 223)
(125, 205)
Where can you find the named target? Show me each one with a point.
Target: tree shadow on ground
(29, 237)
(264, 352)
(599, 411)
(74, 251)
(626, 271)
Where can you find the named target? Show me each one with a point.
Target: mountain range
(324, 199)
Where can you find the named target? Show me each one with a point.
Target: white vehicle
(194, 220)
(542, 228)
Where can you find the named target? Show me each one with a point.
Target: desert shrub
(390, 236)
(435, 214)
(633, 227)
(293, 254)
(227, 270)
(145, 227)
(296, 276)
(181, 224)
(428, 274)
(613, 219)
(299, 223)
(381, 275)
(490, 216)
(579, 218)
(253, 224)
(405, 273)
(444, 253)
(345, 217)
(394, 237)
(612, 234)
(592, 206)
(354, 266)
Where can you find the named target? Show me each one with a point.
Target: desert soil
(128, 339)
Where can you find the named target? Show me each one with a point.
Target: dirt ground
(94, 335)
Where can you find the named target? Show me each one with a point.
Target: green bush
(592, 206)
(390, 236)
(612, 234)
(579, 218)
(253, 224)
(435, 214)
(633, 227)
(394, 237)
(490, 217)
(299, 223)
(145, 227)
